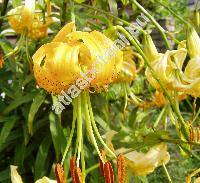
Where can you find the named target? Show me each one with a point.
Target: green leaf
(5, 175)
(113, 7)
(56, 134)
(19, 153)
(79, 1)
(125, 2)
(40, 162)
(16, 3)
(37, 102)
(7, 127)
(19, 101)
(102, 123)
(156, 137)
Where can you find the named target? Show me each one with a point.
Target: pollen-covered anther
(76, 173)
(60, 174)
(121, 169)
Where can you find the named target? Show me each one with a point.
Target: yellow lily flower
(191, 84)
(128, 69)
(57, 65)
(164, 65)
(142, 163)
(24, 18)
(145, 163)
(16, 178)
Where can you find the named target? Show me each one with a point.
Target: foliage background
(33, 138)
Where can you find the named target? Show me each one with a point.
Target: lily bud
(193, 42)
(195, 18)
(150, 48)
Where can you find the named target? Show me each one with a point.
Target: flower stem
(167, 173)
(83, 161)
(89, 125)
(172, 12)
(134, 43)
(95, 127)
(113, 16)
(160, 116)
(161, 30)
(71, 133)
(79, 128)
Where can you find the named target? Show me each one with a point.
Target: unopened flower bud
(193, 42)
(150, 48)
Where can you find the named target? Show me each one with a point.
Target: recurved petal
(56, 66)
(61, 35)
(144, 163)
(192, 70)
(15, 177)
(105, 59)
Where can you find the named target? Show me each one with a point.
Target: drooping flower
(128, 69)
(57, 65)
(72, 62)
(142, 163)
(24, 19)
(145, 163)
(191, 84)
(164, 65)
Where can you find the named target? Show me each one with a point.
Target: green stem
(27, 51)
(113, 16)
(79, 128)
(95, 127)
(196, 116)
(161, 30)
(17, 48)
(83, 161)
(134, 43)
(71, 133)
(167, 173)
(172, 12)
(89, 125)
(73, 17)
(160, 116)
(125, 96)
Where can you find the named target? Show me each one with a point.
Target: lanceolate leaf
(40, 163)
(17, 102)
(57, 135)
(37, 102)
(7, 127)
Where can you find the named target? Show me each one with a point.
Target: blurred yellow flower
(128, 69)
(197, 180)
(164, 65)
(24, 19)
(191, 84)
(145, 163)
(141, 163)
(159, 99)
(16, 178)
(73, 55)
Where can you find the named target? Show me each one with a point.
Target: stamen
(60, 174)
(121, 169)
(109, 173)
